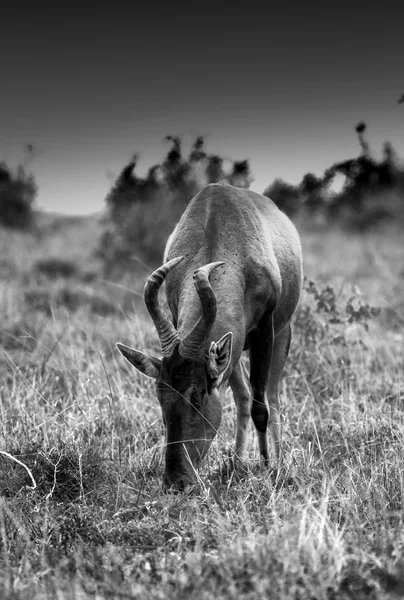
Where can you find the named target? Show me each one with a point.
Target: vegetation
(142, 212)
(17, 194)
(372, 190)
(88, 430)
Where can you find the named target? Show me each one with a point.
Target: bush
(285, 196)
(17, 194)
(142, 212)
(365, 198)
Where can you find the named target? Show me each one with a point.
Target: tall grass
(327, 524)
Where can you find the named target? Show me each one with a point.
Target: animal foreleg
(241, 393)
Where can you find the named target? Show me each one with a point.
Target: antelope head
(187, 377)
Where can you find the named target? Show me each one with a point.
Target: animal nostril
(173, 487)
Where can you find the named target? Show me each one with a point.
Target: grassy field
(87, 428)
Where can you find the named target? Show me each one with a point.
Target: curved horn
(192, 346)
(167, 333)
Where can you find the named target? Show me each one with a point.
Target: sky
(282, 84)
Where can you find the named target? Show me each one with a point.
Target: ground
(87, 428)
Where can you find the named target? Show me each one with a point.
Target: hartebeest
(233, 271)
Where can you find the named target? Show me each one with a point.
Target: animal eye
(195, 399)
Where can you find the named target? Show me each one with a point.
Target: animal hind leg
(241, 393)
(279, 355)
(260, 360)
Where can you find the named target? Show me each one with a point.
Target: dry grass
(328, 524)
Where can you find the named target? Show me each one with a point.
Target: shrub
(142, 212)
(362, 203)
(285, 196)
(17, 194)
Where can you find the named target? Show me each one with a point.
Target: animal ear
(219, 358)
(148, 365)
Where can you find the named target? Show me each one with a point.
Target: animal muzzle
(176, 482)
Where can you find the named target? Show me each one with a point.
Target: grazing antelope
(233, 271)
